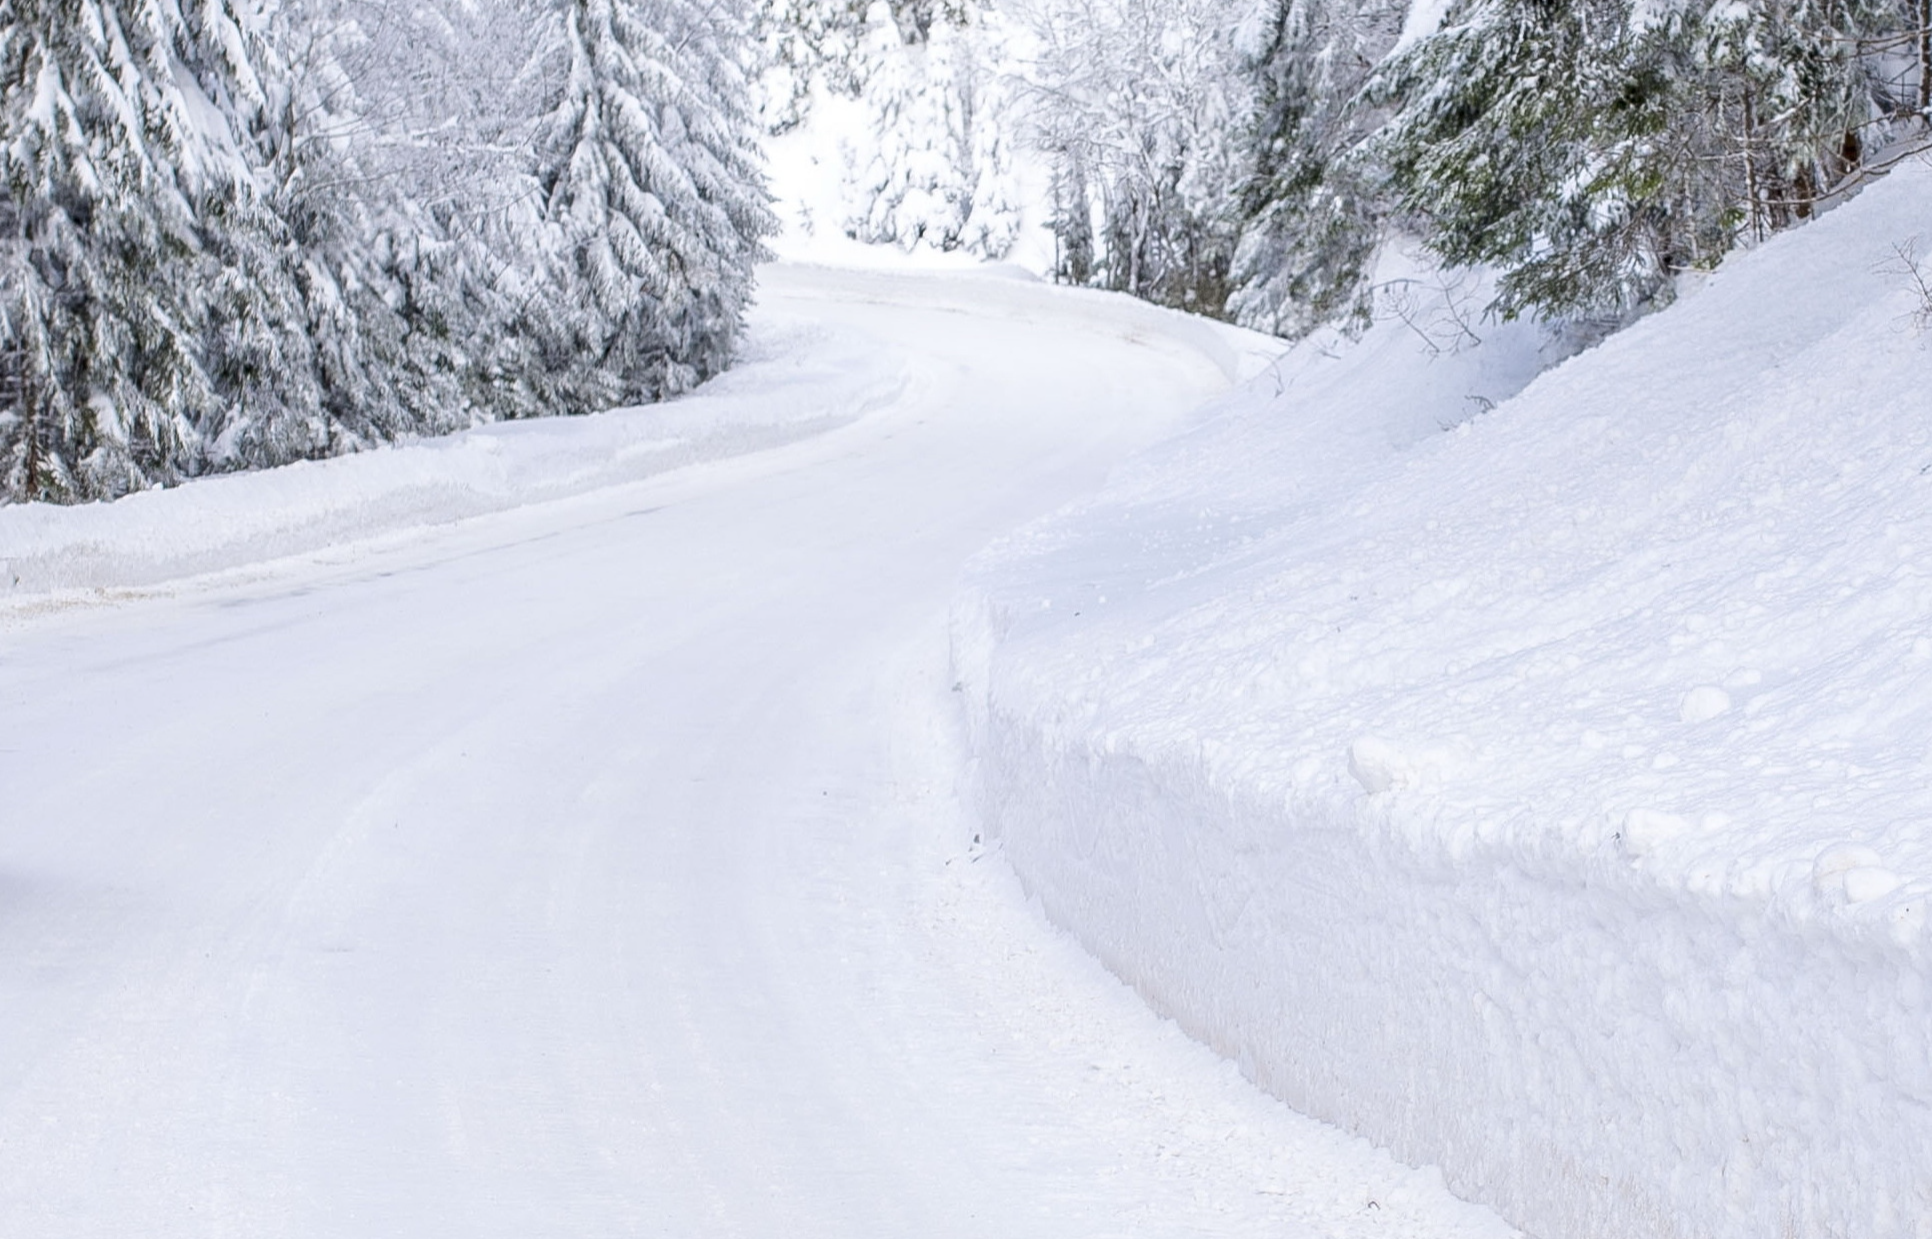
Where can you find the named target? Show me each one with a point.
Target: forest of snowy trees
(1248, 158)
(234, 236)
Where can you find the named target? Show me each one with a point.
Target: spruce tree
(1314, 208)
(187, 285)
(652, 198)
(128, 129)
(1594, 150)
(377, 217)
(1802, 96)
(804, 45)
(1535, 136)
(939, 170)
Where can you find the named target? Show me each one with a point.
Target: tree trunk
(1925, 60)
(1751, 190)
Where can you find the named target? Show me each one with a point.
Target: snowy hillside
(1546, 798)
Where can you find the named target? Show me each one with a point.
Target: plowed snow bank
(797, 379)
(1547, 798)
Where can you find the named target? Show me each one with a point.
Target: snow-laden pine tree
(149, 310)
(938, 168)
(1802, 89)
(1594, 150)
(414, 202)
(1314, 207)
(652, 199)
(807, 46)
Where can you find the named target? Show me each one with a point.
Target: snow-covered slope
(1550, 798)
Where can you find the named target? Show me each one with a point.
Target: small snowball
(1703, 703)
(1869, 882)
(1829, 870)
(1644, 829)
(1379, 765)
(1375, 763)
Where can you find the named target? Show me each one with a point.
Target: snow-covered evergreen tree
(1594, 150)
(939, 169)
(149, 299)
(400, 216)
(1315, 205)
(806, 46)
(418, 207)
(1796, 83)
(651, 193)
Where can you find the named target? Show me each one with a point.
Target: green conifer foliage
(1594, 150)
(1313, 209)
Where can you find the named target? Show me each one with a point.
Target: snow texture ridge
(1545, 797)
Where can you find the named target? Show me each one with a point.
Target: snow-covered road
(595, 869)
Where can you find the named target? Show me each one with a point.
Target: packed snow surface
(1541, 791)
(592, 867)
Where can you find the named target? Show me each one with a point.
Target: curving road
(595, 869)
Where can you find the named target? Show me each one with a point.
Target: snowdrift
(797, 378)
(1542, 791)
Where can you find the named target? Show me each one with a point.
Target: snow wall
(1549, 799)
